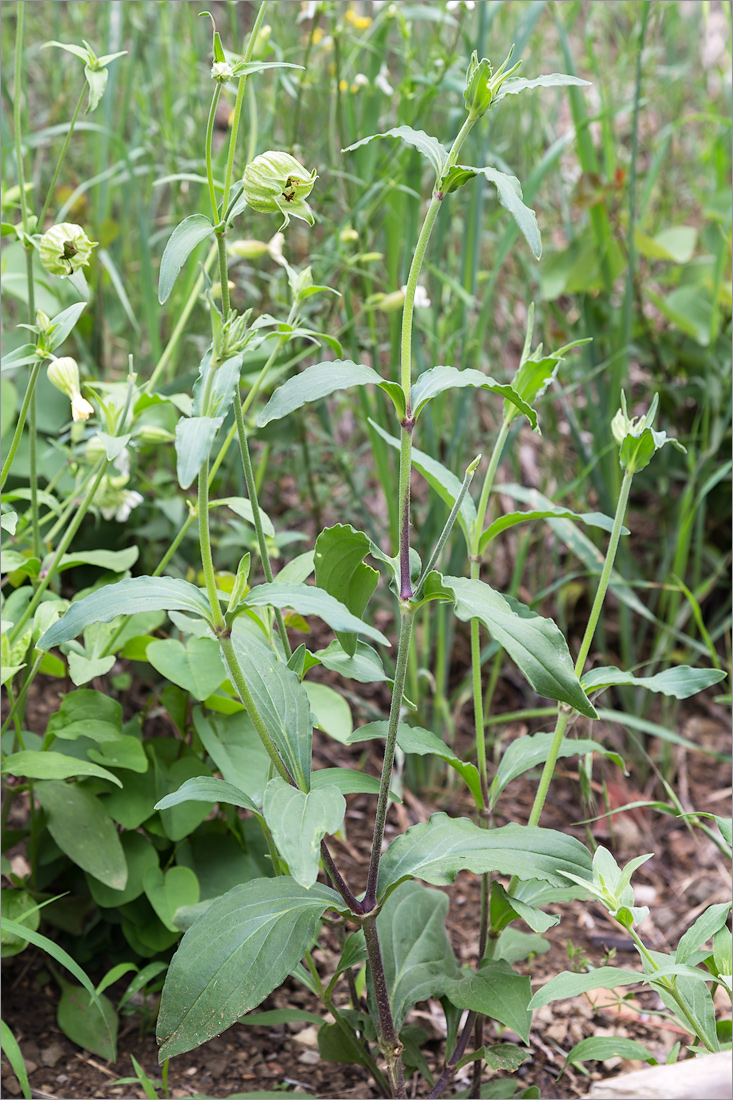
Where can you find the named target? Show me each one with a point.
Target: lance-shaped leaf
(509, 191)
(299, 822)
(445, 483)
(567, 984)
(436, 850)
(680, 682)
(429, 146)
(579, 544)
(422, 742)
(496, 991)
(525, 753)
(309, 600)
(195, 437)
(127, 597)
(204, 788)
(597, 1048)
(437, 380)
(535, 644)
(323, 379)
(511, 519)
(83, 831)
(514, 85)
(340, 570)
(52, 765)
(418, 958)
(240, 949)
(282, 703)
(181, 243)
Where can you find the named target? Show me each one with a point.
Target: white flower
(454, 5)
(221, 71)
(307, 11)
(80, 408)
(275, 248)
(120, 510)
(122, 462)
(421, 298)
(64, 375)
(381, 80)
(360, 80)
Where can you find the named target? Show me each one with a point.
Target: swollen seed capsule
(65, 248)
(277, 182)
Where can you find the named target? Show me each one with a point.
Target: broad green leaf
(234, 955)
(698, 1001)
(600, 1047)
(438, 380)
(299, 822)
(179, 821)
(516, 946)
(84, 669)
(445, 483)
(52, 765)
(169, 890)
(93, 1032)
(423, 742)
(116, 561)
(281, 701)
(330, 711)
(306, 599)
(504, 1057)
(704, 928)
(127, 752)
(233, 744)
(126, 597)
(83, 831)
(243, 508)
(205, 789)
(140, 855)
(341, 571)
(181, 243)
(9, 522)
(19, 357)
(514, 85)
(11, 1050)
(429, 146)
(511, 519)
(418, 958)
(496, 991)
(194, 439)
(348, 781)
(340, 1044)
(525, 753)
(535, 644)
(365, 665)
(505, 909)
(568, 984)
(64, 323)
(436, 850)
(321, 380)
(682, 681)
(21, 906)
(509, 191)
(195, 666)
(276, 1016)
(87, 713)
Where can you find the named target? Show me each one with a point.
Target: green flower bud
(247, 249)
(65, 248)
(274, 182)
(153, 433)
(43, 322)
(64, 375)
(482, 85)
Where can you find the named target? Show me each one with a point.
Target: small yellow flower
(359, 22)
(318, 34)
(343, 85)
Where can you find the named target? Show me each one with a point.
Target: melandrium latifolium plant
(248, 928)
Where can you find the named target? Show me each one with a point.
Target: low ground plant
(129, 825)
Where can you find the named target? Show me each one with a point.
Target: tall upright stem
(61, 158)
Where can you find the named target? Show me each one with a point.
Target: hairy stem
(389, 1042)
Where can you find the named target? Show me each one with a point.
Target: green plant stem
(245, 695)
(238, 104)
(20, 700)
(209, 146)
(60, 551)
(27, 398)
(261, 540)
(564, 712)
(181, 322)
(407, 618)
(207, 560)
(61, 158)
(189, 522)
